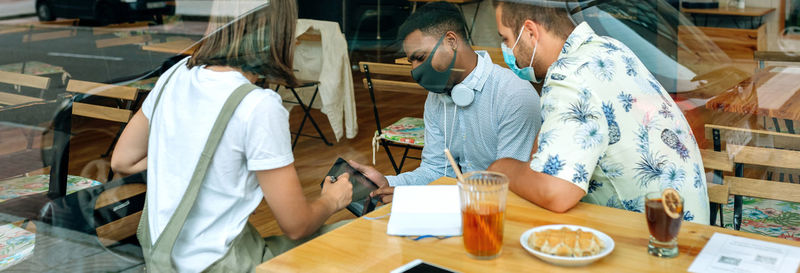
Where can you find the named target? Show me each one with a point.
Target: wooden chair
(740, 186)
(720, 134)
(388, 136)
(125, 93)
(111, 231)
(128, 95)
(15, 94)
(95, 229)
(733, 136)
(309, 36)
(719, 162)
(54, 155)
(306, 109)
(735, 139)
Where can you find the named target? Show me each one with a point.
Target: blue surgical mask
(525, 73)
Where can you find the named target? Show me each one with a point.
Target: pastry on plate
(565, 242)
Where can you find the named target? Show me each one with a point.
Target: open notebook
(425, 210)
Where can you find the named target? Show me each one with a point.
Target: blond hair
(260, 42)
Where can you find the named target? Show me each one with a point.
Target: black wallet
(362, 186)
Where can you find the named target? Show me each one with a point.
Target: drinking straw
(455, 166)
(484, 226)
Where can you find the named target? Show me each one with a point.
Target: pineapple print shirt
(611, 129)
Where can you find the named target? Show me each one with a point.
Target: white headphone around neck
(462, 95)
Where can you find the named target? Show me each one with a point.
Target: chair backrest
(9, 97)
(392, 82)
(742, 136)
(125, 227)
(718, 162)
(33, 81)
(769, 157)
(104, 90)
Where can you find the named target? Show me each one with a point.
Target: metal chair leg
(297, 134)
(403, 160)
(391, 158)
(307, 116)
(713, 211)
(737, 212)
(313, 122)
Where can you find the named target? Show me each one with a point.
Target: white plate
(568, 261)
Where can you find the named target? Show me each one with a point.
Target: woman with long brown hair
(214, 144)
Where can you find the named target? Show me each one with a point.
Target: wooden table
(363, 245)
(773, 93)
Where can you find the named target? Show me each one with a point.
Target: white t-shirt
(257, 138)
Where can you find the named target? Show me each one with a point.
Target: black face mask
(430, 79)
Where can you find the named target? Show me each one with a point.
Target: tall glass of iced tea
(664, 211)
(483, 206)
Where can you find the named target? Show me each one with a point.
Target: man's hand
(371, 173)
(340, 193)
(385, 192)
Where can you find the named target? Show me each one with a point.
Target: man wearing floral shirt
(610, 134)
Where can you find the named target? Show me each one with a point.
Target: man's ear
(531, 29)
(451, 40)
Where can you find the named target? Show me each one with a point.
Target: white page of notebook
(425, 210)
(728, 253)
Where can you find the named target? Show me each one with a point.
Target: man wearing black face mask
(480, 111)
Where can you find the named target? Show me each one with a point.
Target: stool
(306, 110)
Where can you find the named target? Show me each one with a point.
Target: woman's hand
(339, 193)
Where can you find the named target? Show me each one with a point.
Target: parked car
(104, 11)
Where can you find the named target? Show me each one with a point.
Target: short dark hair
(436, 19)
(553, 19)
